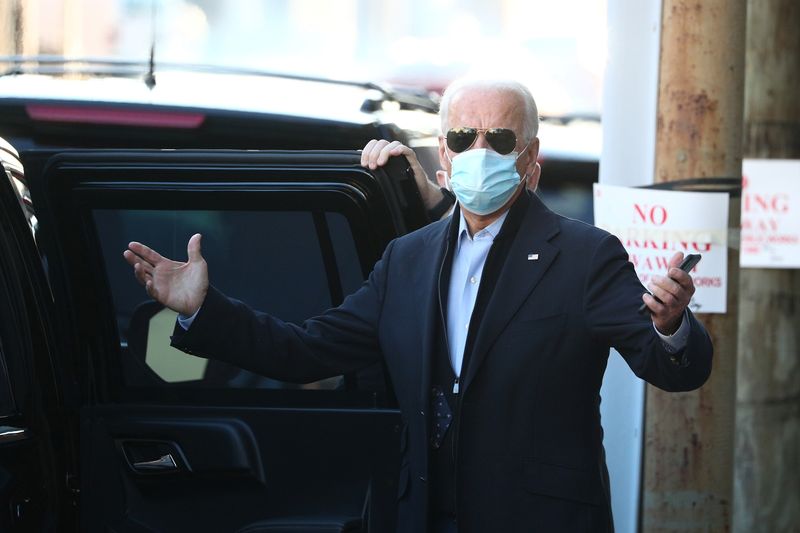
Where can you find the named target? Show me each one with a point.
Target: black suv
(103, 426)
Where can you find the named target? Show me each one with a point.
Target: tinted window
(279, 262)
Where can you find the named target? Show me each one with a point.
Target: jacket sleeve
(612, 297)
(339, 341)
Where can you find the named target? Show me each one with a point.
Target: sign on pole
(770, 213)
(654, 224)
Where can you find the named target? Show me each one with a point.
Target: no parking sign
(654, 224)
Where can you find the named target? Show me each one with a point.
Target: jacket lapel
(528, 259)
(429, 267)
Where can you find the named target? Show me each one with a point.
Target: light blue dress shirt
(469, 257)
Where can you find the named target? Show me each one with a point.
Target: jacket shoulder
(424, 235)
(580, 232)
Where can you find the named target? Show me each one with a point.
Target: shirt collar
(492, 229)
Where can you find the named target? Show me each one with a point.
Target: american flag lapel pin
(533, 257)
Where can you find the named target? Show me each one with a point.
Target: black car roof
(201, 87)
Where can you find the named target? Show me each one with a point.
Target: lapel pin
(533, 257)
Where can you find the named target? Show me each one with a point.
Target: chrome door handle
(165, 462)
(12, 434)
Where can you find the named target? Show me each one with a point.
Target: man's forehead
(483, 103)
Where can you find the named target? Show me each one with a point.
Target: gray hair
(530, 123)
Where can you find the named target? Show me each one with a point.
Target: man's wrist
(678, 340)
(186, 321)
(672, 329)
(448, 199)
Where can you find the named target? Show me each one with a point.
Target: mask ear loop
(524, 178)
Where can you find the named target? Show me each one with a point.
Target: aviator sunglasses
(502, 140)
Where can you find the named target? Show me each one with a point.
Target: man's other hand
(377, 153)
(675, 290)
(181, 287)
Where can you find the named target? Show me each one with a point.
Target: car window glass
(345, 250)
(272, 260)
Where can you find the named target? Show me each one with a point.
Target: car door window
(274, 260)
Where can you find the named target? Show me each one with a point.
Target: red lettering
(658, 212)
(640, 211)
(656, 215)
(780, 203)
(776, 203)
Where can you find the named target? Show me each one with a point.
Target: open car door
(172, 442)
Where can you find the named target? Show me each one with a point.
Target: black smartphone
(686, 265)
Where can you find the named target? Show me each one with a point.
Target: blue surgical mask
(483, 180)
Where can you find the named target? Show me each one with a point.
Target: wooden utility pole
(688, 455)
(19, 27)
(767, 474)
(9, 27)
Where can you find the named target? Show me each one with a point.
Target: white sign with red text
(770, 213)
(654, 224)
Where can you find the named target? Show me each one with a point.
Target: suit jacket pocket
(562, 482)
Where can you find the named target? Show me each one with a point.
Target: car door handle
(164, 463)
(12, 434)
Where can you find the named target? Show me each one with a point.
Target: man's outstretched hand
(180, 286)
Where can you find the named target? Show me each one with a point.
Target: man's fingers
(365, 153)
(666, 284)
(143, 267)
(683, 279)
(401, 149)
(132, 259)
(145, 252)
(675, 260)
(667, 298)
(150, 289)
(142, 275)
(378, 151)
(654, 305)
(371, 152)
(387, 152)
(193, 248)
(673, 299)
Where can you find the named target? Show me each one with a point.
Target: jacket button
(422, 478)
(422, 412)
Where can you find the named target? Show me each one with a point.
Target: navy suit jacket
(530, 454)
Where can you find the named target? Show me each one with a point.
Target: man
(495, 326)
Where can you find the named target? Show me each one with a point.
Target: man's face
(488, 108)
